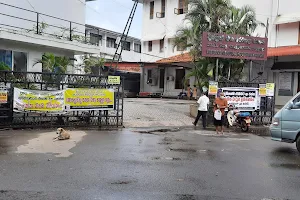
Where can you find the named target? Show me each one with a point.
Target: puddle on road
(183, 150)
(4, 147)
(286, 165)
(165, 158)
(44, 144)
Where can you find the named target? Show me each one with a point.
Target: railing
(51, 81)
(13, 20)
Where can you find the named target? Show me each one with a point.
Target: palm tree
(209, 12)
(94, 65)
(241, 21)
(215, 16)
(52, 63)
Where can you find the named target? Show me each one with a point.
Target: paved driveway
(157, 112)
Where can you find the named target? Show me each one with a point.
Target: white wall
(33, 53)
(159, 28)
(71, 10)
(288, 34)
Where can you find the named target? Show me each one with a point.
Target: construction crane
(121, 41)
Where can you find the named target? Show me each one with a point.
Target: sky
(113, 15)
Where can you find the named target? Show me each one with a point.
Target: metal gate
(50, 82)
(267, 107)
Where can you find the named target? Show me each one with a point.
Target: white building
(107, 40)
(161, 19)
(28, 29)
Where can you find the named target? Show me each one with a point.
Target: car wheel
(298, 144)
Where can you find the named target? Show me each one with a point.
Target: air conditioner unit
(160, 14)
(170, 78)
(152, 81)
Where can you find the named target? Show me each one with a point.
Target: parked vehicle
(237, 118)
(285, 126)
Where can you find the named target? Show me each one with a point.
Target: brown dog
(62, 134)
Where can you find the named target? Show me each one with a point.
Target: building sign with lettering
(221, 45)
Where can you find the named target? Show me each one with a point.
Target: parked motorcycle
(237, 118)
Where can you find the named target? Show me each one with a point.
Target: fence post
(37, 23)
(70, 31)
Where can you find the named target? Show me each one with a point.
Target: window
(126, 46)
(111, 43)
(182, 46)
(95, 39)
(161, 45)
(163, 8)
(161, 78)
(6, 57)
(180, 74)
(149, 74)
(182, 7)
(137, 48)
(151, 9)
(20, 61)
(150, 46)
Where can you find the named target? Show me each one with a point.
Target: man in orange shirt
(221, 104)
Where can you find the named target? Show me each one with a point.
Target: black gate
(267, 106)
(51, 82)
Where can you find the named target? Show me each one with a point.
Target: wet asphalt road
(128, 165)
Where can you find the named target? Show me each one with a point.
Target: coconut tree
(241, 21)
(215, 16)
(52, 63)
(94, 65)
(208, 12)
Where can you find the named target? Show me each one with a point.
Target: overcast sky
(113, 15)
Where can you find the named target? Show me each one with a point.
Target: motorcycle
(241, 119)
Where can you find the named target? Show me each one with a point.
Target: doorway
(162, 78)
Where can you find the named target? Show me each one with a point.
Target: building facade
(161, 19)
(107, 40)
(31, 28)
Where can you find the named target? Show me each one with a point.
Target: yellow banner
(213, 88)
(3, 96)
(89, 99)
(38, 101)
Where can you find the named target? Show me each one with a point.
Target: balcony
(24, 26)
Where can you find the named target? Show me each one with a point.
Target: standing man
(220, 104)
(202, 109)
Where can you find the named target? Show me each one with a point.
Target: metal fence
(267, 105)
(50, 82)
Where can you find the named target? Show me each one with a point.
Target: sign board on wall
(270, 89)
(38, 101)
(89, 99)
(285, 81)
(222, 45)
(114, 80)
(262, 90)
(213, 88)
(243, 98)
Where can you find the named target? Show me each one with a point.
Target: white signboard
(285, 81)
(243, 98)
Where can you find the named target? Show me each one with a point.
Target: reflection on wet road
(167, 164)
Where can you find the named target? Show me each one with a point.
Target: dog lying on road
(62, 134)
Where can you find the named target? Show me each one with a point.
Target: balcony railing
(23, 21)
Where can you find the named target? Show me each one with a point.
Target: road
(182, 164)
(145, 112)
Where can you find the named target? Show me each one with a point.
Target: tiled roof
(284, 51)
(184, 57)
